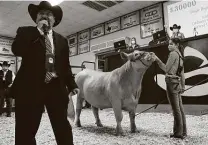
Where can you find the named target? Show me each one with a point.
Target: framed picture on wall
(84, 35)
(5, 46)
(73, 50)
(84, 47)
(147, 29)
(72, 39)
(151, 13)
(97, 31)
(130, 20)
(112, 26)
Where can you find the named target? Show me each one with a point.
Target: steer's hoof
(99, 124)
(134, 130)
(119, 132)
(78, 124)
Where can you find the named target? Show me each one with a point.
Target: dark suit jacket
(29, 45)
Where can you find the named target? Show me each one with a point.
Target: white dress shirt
(4, 77)
(50, 36)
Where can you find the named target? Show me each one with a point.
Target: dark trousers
(28, 116)
(4, 97)
(174, 97)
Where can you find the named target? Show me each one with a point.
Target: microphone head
(45, 28)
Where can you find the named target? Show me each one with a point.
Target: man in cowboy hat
(6, 80)
(176, 33)
(44, 78)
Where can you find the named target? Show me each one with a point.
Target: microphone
(45, 27)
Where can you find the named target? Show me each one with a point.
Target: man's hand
(75, 91)
(154, 57)
(41, 23)
(182, 90)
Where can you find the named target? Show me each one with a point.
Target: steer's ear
(124, 55)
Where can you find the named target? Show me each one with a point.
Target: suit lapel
(55, 42)
(42, 41)
(39, 37)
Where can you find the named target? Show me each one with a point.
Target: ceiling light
(55, 2)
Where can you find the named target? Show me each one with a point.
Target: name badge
(50, 60)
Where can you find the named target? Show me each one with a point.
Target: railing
(83, 66)
(76, 66)
(88, 62)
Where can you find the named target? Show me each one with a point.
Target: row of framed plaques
(150, 20)
(79, 48)
(108, 27)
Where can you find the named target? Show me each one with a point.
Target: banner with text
(151, 13)
(191, 15)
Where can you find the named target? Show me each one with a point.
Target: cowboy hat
(44, 5)
(5, 63)
(175, 26)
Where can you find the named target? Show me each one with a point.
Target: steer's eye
(136, 54)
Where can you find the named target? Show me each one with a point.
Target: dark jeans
(28, 116)
(4, 97)
(174, 98)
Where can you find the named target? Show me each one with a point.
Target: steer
(119, 89)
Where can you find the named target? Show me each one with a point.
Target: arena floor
(154, 130)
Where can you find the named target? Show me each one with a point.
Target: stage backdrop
(196, 69)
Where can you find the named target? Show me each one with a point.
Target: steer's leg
(132, 121)
(116, 103)
(78, 109)
(96, 114)
(132, 112)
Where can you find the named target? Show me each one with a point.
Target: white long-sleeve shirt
(50, 36)
(4, 77)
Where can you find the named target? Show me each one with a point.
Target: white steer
(119, 89)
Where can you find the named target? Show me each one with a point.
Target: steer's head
(139, 58)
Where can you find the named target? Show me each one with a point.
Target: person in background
(133, 44)
(44, 78)
(6, 80)
(176, 32)
(175, 82)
